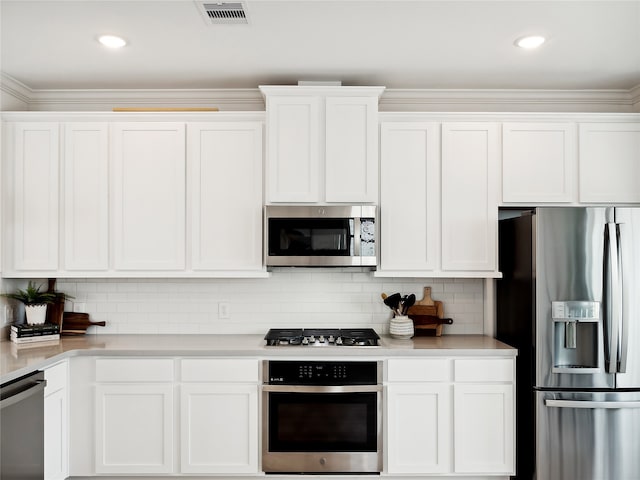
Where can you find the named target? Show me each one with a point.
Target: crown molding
(508, 100)
(634, 93)
(15, 88)
(392, 100)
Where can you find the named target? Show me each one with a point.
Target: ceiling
(423, 44)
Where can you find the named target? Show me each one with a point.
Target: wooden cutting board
(77, 323)
(424, 314)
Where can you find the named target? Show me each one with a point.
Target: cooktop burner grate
(322, 337)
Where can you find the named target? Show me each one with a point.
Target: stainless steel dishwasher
(22, 428)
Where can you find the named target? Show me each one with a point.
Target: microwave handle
(357, 238)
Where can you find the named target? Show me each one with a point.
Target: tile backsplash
(289, 298)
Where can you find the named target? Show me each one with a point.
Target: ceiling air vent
(225, 13)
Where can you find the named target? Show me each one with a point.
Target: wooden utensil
(77, 323)
(428, 315)
(55, 309)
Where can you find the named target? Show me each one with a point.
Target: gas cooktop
(318, 337)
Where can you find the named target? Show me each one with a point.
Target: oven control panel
(287, 372)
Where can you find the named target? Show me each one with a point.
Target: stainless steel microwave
(317, 236)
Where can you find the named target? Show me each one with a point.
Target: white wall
(290, 298)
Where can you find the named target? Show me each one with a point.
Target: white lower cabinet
(134, 411)
(483, 428)
(134, 428)
(219, 428)
(219, 416)
(419, 431)
(450, 416)
(484, 415)
(147, 422)
(56, 437)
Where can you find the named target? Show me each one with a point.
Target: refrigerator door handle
(627, 287)
(613, 296)
(589, 404)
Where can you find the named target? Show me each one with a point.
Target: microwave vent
(225, 13)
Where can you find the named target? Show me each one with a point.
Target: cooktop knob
(321, 339)
(305, 341)
(339, 341)
(331, 339)
(312, 339)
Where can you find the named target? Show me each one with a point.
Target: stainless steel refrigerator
(569, 300)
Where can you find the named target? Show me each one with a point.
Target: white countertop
(17, 361)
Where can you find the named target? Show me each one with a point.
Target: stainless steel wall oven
(322, 417)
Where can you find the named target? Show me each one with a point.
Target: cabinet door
(293, 156)
(35, 196)
(219, 428)
(610, 162)
(418, 428)
(469, 197)
(134, 429)
(149, 196)
(351, 149)
(56, 459)
(409, 196)
(484, 428)
(538, 162)
(86, 196)
(225, 163)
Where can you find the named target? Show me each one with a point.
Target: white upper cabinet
(225, 191)
(149, 196)
(470, 156)
(31, 188)
(409, 196)
(86, 196)
(351, 151)
(610, 162)
(438, 198)
(293, 129)
(539, 162)
(322, 144)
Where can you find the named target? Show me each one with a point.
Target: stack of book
(35, 334)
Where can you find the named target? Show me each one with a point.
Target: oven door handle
(321, 388)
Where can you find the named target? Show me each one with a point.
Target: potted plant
(35, 302)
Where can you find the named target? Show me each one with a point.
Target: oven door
(321, 429)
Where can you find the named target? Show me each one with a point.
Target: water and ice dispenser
(576, 336)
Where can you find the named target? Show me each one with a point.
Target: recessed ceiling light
(112, 41)
(530, 42)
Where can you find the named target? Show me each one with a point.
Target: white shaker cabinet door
(409, 196)
(539, 162)
(610, 162)
(86, 196)
(33, 188)
(470, 155)
(484, 428)
(418, 428)
(56, 421)
(219, 428)
(149, 196)
(351, 149)
(293, 148)
(134, 429)
(225, 175)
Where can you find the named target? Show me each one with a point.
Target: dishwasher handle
(23, 391)
(590, 404)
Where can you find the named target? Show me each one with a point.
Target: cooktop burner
(318, 337)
